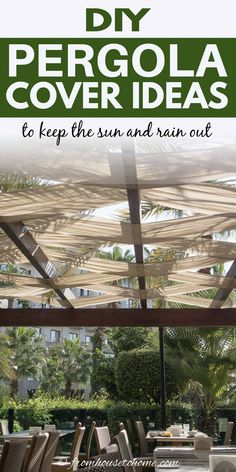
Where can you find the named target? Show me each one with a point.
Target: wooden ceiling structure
(54, 229)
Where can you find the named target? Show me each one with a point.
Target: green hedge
(66, 413)
(31, 412)
(137, 375)
(41, 410)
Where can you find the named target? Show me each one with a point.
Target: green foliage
(102, 374)
(138, 377)
(67, 363)
(4, 397)
(51, 378)
(34, 411)
(204, 361)
(5, 369)
(10, 182)
(117, 254)
(42, 409)
(27, 355)
(127, 339)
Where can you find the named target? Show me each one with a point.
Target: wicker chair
(13, 455)
(108, 462)
(125, 450)
(49, 451)
(142, 439)
(86, 455)
(131, 464)
(36, 452)
(61, 464)
(103, 438)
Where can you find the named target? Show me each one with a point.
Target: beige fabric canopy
(61, 218)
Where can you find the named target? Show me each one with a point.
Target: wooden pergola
(115, 317)
(56, 229)
(52, 229)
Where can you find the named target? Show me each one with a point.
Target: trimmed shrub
(138, 377)
(34, 411)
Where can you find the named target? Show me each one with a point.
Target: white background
(167, 18)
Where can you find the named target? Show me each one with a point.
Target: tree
(51, 378)
(127, 339)
(68, 363)
(138, 377)
(5, 369)
(204, 362)
(10, 182)
(117, 254)
(26, 355)
(102, 374)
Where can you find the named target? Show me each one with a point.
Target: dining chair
(86, 455)
(60, 463)
(13, 454)
(229, 433)
(67, 454)
(103, 438)
(129, 426)
(125, 451)
(132, 464)
(35, 453)
(49, 451)
(142, 439)
(131, 434)
(111, 459)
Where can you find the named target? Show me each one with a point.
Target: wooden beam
(23, 239)
(129, 164)
(108, 317)
(223, 293)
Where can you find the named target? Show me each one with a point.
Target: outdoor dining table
(183, 438)
(26, 435)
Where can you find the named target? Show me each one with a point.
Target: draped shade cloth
(62, 222)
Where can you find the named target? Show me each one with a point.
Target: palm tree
(204, 361)
(10, 182)
(5, 370)
(149, 210)
(117, 254)
(120, 255)
(75, 363)
(26, 355)
(51, 375)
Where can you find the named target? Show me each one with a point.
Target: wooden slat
(223, 292)
(133, 195)
(118, 317)
(23, 239)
